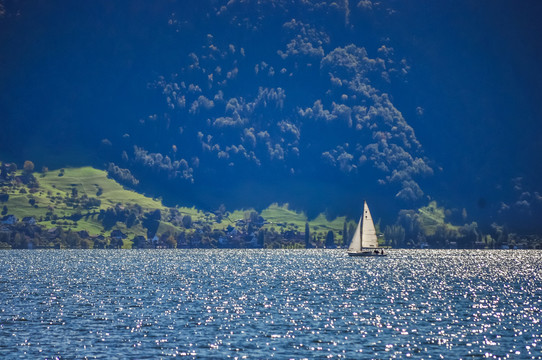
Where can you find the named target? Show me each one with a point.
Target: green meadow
(432, 216)
(62, 192)
(281, 217)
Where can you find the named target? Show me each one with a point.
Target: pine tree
(307, 236)
(330, 240)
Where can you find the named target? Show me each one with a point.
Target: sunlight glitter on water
(261, 303)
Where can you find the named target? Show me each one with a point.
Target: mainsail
(368, 236)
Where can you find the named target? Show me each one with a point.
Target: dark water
(262, 304)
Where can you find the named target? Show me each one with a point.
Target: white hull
(365, 253)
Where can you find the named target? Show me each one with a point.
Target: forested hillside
(86, 208)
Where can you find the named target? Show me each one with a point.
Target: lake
(148, 304)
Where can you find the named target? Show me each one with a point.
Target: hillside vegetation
(86, 201)
(85, 208)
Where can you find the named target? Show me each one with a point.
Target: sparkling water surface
(148, 304)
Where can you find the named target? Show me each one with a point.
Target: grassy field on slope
(89, 181)
(86, 181)
(432, 216)
(280, 217)
(58, 185)
(57, 188)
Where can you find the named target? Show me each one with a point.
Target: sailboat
(364, 242)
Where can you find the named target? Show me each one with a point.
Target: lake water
(148, 304)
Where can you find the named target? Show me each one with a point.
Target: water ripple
(261, 304)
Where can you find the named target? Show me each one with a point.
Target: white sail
(368, 232)
(355, 244)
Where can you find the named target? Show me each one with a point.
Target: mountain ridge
(315, 103)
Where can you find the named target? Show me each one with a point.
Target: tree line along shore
(86, 208)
